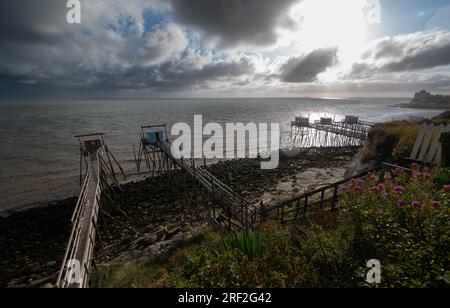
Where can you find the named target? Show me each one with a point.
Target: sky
(140, 49)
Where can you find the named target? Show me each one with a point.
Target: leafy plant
(249, 243)
(442, 178)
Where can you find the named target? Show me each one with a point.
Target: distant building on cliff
(425, 99)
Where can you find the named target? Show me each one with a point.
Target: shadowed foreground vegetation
(405, 225)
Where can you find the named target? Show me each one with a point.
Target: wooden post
(445, 148)
(335, 197)
(110, 163)
(81, 167)
(263, 211)
(135, 159)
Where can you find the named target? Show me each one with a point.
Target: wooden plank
(435, 143)
(419, 141)
(426, 143)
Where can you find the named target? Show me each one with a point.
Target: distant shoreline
(422, 107)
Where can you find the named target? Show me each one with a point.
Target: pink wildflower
(427, 175)
(416, 204)
(398, 189)
(435, 203)
(401, 203)
(417, 175)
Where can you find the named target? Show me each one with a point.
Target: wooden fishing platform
(229, 208)
(342, 129)
(329, 133)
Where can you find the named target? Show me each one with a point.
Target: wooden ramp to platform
(234, 210)
(227, 207)
(99, 172)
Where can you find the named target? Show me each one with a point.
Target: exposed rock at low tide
(155, 214)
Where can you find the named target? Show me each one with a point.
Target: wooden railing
(76, 266)
(297, 208)
(234, 209)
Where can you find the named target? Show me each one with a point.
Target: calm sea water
(39, 156)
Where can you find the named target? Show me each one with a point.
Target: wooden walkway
(350, 131)
(234, 210)
(356, 131)
(76, 267)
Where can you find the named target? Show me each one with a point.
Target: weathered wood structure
(98, 164)
(428, 146)
(328, 133)
(227, 209)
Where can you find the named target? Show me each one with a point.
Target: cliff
(425, 99)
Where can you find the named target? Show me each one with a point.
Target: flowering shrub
(405, 223)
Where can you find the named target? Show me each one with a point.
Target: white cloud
(162, 44)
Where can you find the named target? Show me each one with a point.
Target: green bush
(442, 178)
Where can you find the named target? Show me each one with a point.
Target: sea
(39, 156)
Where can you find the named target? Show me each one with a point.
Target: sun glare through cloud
(342, 25)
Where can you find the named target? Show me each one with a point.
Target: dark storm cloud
(41, 53)
(171, 76)
(235, 22)
(430, 58)
(31, 21)
(306, 68)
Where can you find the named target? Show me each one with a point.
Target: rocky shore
(32, 244)
(425, 100)
(152, 216)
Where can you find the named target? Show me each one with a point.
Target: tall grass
(248, 242)
(405, 133)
